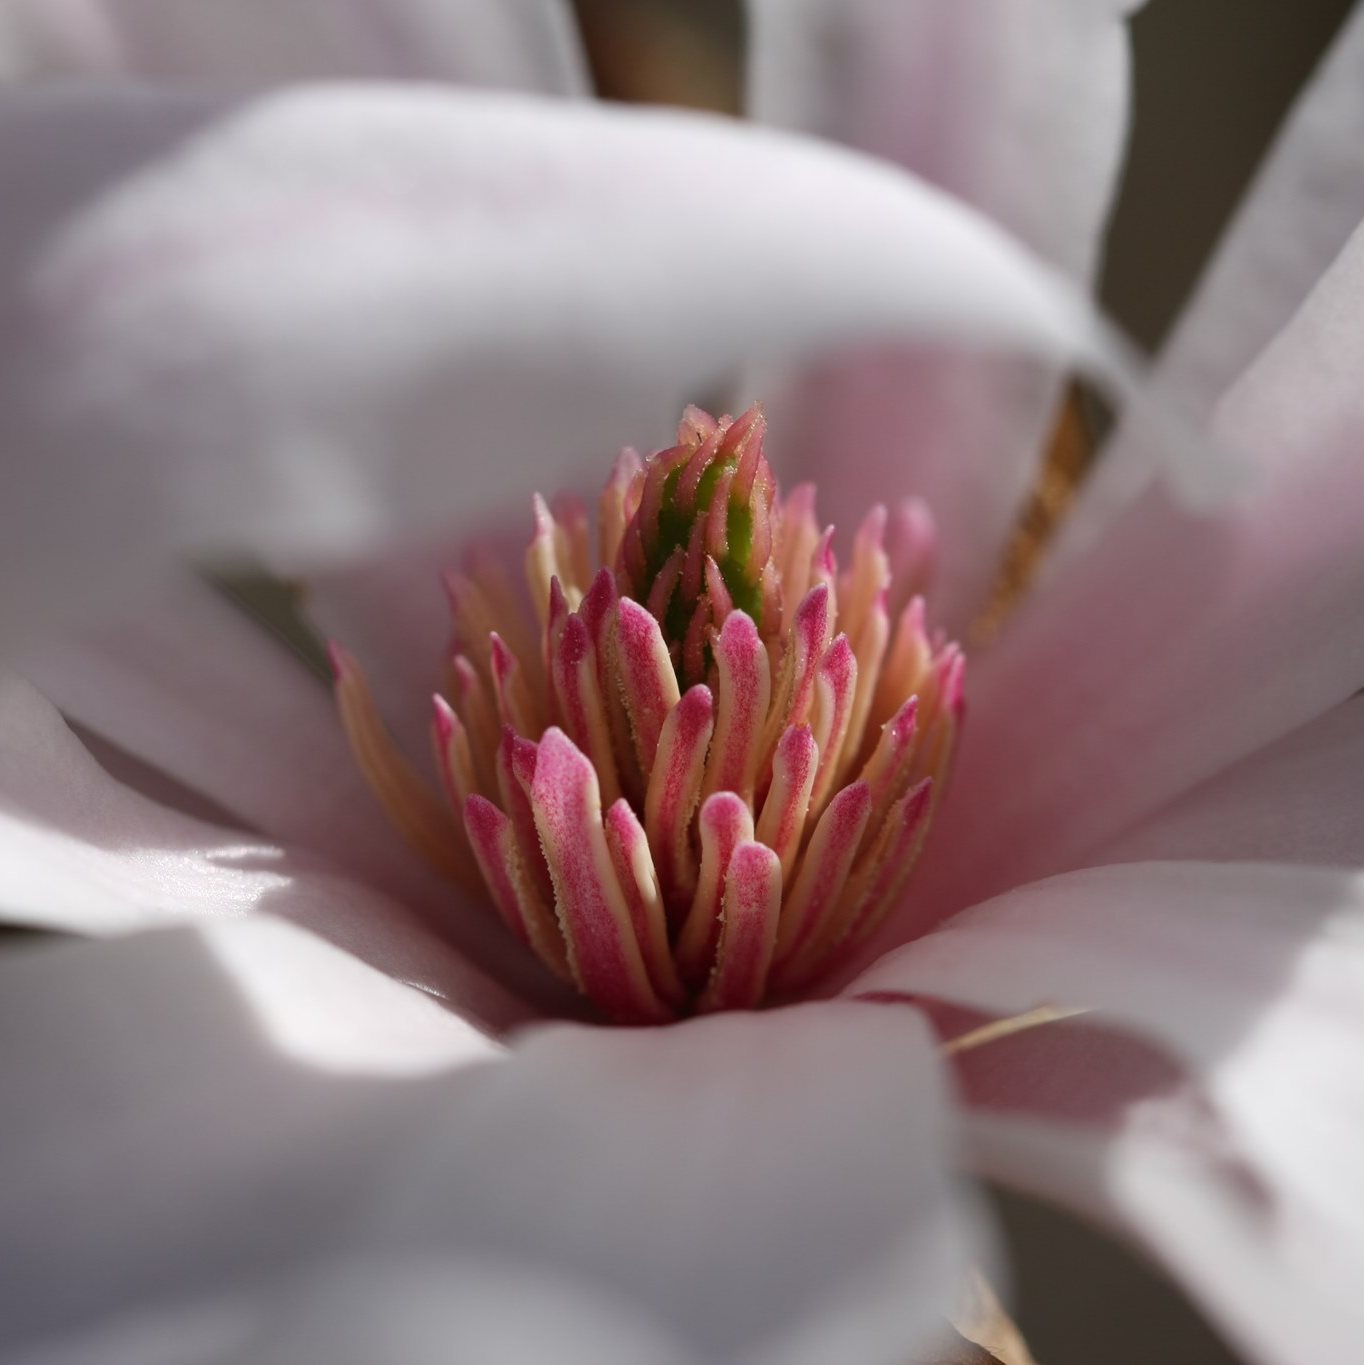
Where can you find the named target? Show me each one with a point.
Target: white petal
(1020, 108)
(433, 1308)
(1298, 801)
(1181, 643)
(207, 697)
(670, 1177)
(426, 1308)
(324, 315)
(84, 853)
(1253, 977)
(1013, 107)
(524, 44)
(195, 688)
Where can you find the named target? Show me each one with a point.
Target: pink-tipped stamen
(703, 772)
(603, 950)
(724, 823)
(454, 761)
(634, 867)
(745, 695)
(414, 809)
(823, 870)
(582, 709)
(835, 687)
(647, 681)
(619, 502)
(782, 825)
(501, 860)
(480, 720)
(516, 758)
(748, 934)
(673, 792)
(516, 705)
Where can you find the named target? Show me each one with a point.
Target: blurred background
(1212, 80)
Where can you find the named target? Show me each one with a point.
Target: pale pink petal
(524, 44)
(194, 687)
(1182, 642)
(170, 1141)
(322, 316)
(1240, 1166)
(84, 853)
(1301, 800)
(433, 1308)
(421, 1308)
(1020, 108)
(206, 1096)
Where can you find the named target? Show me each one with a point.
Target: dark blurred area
(1212, 81)
(1081, 1299)
(666, 51)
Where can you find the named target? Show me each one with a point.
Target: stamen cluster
(708, 769)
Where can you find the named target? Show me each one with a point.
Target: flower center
(705, 773)
(699, 540)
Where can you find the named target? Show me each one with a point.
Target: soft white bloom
(329, 324)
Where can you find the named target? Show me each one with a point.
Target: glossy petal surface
(194, 687)
(666, 1177)
(86, 854)
(179, 306)
(1020, 108)
(1297, 801)
(1238, 1164)
(1181, 643)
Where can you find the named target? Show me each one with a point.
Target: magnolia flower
(348, 328)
